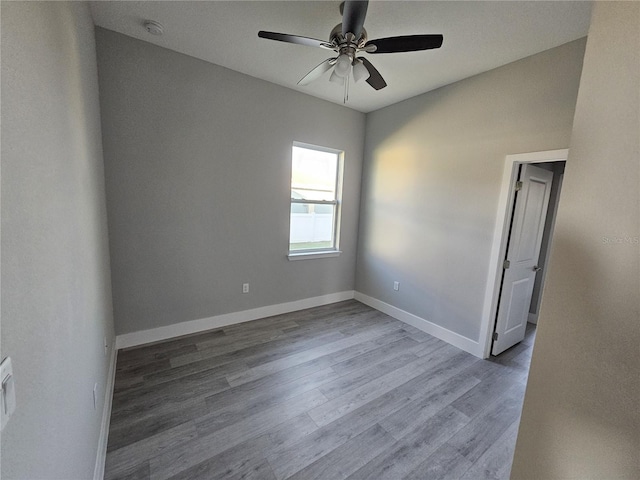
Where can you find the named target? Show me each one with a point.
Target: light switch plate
(8, 392)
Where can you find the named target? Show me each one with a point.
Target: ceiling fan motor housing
(347, 45)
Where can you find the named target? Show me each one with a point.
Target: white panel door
(523, 251)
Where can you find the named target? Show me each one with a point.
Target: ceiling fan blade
(297, 39)
(375, 79)
(353, 14)
(408, 43)
(317, 72)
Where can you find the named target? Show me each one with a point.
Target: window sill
(313, 255)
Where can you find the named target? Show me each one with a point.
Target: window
(315, 200)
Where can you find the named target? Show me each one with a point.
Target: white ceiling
(478, 36)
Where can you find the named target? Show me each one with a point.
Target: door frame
(501, 235)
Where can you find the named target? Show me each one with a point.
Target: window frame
(320, 252)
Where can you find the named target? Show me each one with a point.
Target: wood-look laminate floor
(340, 391)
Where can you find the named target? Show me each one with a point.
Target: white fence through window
(311, 227)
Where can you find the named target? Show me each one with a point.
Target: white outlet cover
(8, 393)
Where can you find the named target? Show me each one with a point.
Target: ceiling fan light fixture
(360, 72)
(343, 65)
(335, 78)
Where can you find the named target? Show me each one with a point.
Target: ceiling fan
(348, 39)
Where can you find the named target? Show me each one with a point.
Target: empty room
(320, 240)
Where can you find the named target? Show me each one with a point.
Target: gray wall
(580, 417)
(198, 168)
(56, 298)
(432, 175)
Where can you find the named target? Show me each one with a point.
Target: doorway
(522, 241)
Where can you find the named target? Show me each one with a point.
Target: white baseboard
(194, 326)
(101, 456)
(455, 339)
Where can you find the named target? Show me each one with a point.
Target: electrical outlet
(7, 392)
(396, 286)
(245, 288)
(106, 347)
(95, 396)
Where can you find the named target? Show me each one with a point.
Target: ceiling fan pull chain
(346, 89)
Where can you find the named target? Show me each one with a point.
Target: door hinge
(506, 264)
(495, 335)
(518, 186)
